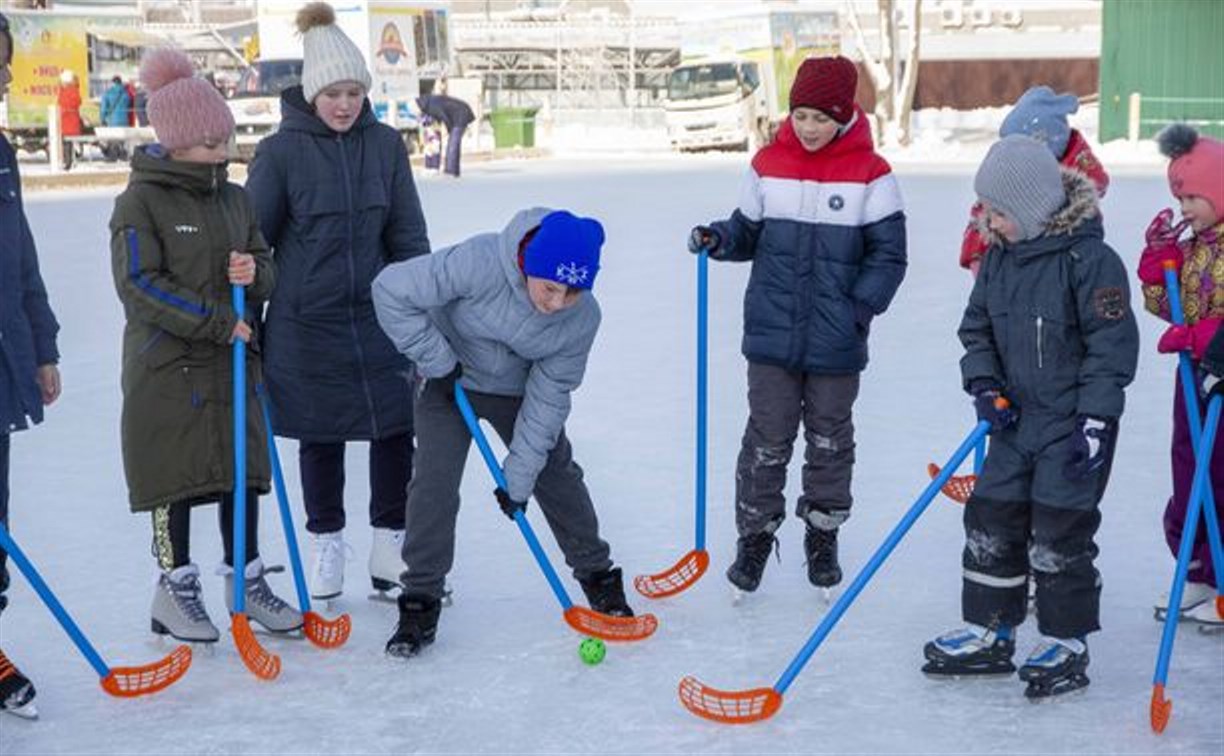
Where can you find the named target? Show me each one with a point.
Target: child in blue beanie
(512, 315)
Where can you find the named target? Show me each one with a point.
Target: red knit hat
(826, 84)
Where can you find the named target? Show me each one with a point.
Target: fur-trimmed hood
(1080, 215)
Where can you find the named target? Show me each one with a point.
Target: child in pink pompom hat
(1196, 179)
(185, 111)
(182, 237)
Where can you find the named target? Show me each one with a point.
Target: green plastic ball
(592, 651)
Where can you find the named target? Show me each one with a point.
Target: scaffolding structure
(592, 61)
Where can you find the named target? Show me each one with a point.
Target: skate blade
(738, 595)
(939, 668)
(826, 595)
(1161, 612)
(1210, 628)
(391, 595)
(1073, 686)
(27, 711)
(940, 673)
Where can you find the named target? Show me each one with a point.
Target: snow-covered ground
(505, 675)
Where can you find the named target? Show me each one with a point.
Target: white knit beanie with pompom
(330, 56)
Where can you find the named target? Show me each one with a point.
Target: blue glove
(509, 506)
(704, 237)
(1091, 446)
(985, 394)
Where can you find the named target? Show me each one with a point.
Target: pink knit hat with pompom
(184, 111)
(1196, 164)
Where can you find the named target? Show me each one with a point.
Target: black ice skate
(605, 592)
(970, 651)
(417, 627)
(16, 691)
(751, 554)
(820, 546)
(1057, 666)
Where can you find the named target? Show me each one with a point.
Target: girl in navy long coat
(336, 201)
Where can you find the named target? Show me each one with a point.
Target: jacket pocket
(162, 348)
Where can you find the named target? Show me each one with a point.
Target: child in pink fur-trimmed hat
(1196, 179)
(182, 237)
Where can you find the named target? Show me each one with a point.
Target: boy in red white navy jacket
(820, 217)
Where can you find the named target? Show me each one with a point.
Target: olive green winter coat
(171, 234)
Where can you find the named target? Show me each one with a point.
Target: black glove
(1091, 446)
(985, 394)
(704, 237)
(509, 506)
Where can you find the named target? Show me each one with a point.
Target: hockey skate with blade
(1056, 667)
(1193, 596)
(970, 651)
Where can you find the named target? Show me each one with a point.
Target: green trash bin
(513, 127)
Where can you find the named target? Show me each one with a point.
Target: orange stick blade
(958, 488)
(262, 664)
(129, 682)
(609, 628)
(326, 633)
(1220, 605)
(676, 578)
(729, 707)
(1161, 709)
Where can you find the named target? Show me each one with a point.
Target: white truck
(404, 43)
(732, 86)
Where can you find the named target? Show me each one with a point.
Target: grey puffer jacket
(468, 304)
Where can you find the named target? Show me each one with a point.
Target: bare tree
(893, 68)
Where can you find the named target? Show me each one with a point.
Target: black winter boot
(605, 593)
(821, 548)
(16, 691)
(418, 624)
(751, 554)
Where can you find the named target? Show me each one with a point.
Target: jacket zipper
(361, 362)
(1040, 361)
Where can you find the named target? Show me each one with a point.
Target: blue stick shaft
(1184, 549)
(282, 500)
(703, 293)
(469, 417)
(877, 559)
(239, 295)
(44, 592)
(1190, 397)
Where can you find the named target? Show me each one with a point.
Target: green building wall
(1171, 52)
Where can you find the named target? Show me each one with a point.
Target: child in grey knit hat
(1049, 326)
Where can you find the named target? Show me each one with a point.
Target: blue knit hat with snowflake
(565, 249)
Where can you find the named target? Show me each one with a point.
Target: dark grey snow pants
(443, 441)
(777, 400)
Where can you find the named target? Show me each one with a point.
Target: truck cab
(255, 102)
(716, 103)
